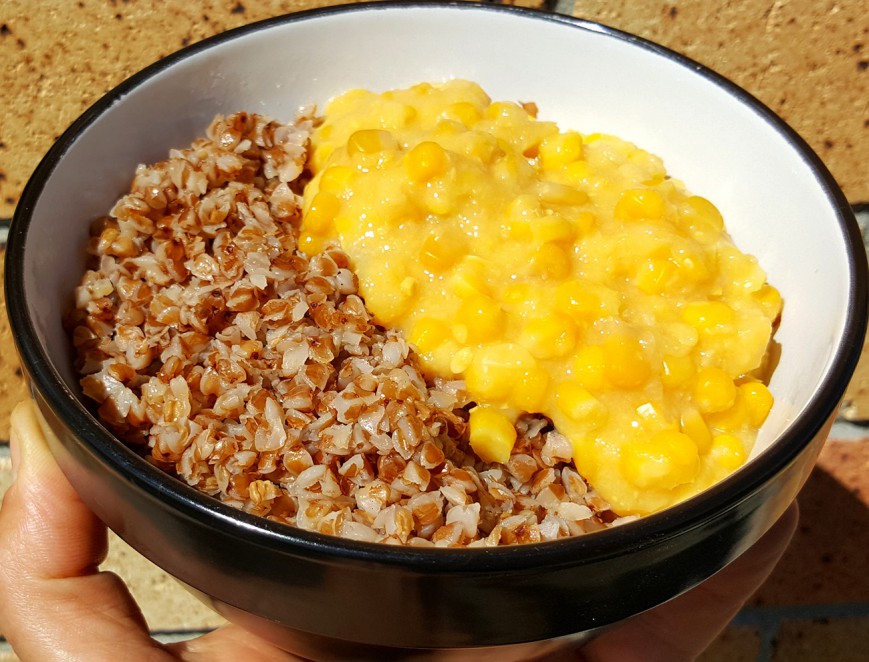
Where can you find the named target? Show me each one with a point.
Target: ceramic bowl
(329, 598)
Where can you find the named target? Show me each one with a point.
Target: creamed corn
(555, 272)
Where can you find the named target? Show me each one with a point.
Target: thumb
(54, 603)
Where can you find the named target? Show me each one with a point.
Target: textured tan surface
(840, 640)
(166, 605)
(808, 61)
(826, 562)
(12, 385)
(60, 56)
(736, 644)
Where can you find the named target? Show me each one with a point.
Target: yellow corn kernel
(770, 301)
(553, 228)
(732, 419)
(561, 149)
(702, 215)
(385, 297)
(549, 337)
(523, 207)
(428, 334)
(573, 298)
(348, 227)
(464, 112)
(439, 252)
(396, 115)
(708, 315)
(530, 389)
(492, 435)
(469, 277)
(579, 405)
(505, 110)
(665, 461)
(479, 319)
(408, 286)
(694, 426)
(655, 275)
(625, 364)
(758, 400)
(577, 172)
(425, 162)
(336, 179)
(550, 262)
(728, 451)
(421, 89)
(676, 370)
(461, 360)
(509, 168)
(311, 244)
(322, 212)
(495, 369)
(653, 416)
(438, 202)
(640, 204)
(692, 267)
(553, 194)
(584, 222)
(517, 294)
(714, 390)
(370, 141)
(482, 147)
(589, 367)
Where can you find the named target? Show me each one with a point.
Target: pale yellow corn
(492, 435)
(758, 400)
(336, 179)
(322, 212)
(549, 337)
(438, 253)
(714, 390)
(625, 364)
(369, 141)
(425, 162)
(560, 150)
(728, 451)
(589, 367)
(708, 315)
(642, 204)
(579, 405)
(481, 318)
(666, 460)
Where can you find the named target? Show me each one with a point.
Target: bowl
(328, 598)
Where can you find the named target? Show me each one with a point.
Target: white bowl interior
(774, 203)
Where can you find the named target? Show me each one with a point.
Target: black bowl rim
(591, 548)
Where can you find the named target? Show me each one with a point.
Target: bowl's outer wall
(318, 593)
(380, 597)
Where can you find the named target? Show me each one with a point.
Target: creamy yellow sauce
(555, 272)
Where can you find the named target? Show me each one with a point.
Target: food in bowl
(313, 593)
(556, 273)
(253, 371)
(543, 277)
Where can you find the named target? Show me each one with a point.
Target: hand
(55, 604)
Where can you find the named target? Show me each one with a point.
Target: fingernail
(13, 453)
(28, 450)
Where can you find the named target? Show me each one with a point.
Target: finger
(229, 643)
(55, 603)
(684, 627)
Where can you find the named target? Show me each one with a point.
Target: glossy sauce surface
(556, 272)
